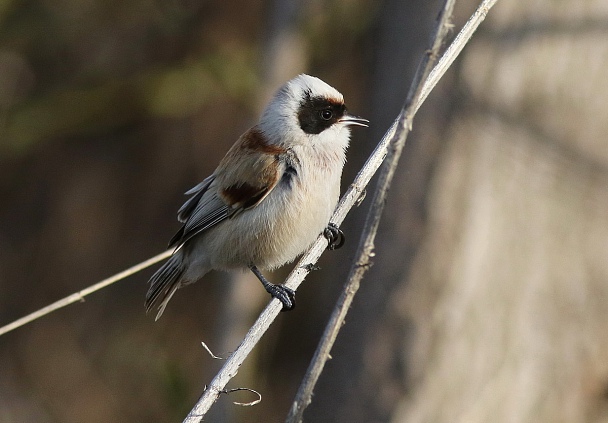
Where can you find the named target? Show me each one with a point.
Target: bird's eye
(326, 114)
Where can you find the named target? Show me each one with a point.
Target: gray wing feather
(200, 212)
(197, 192)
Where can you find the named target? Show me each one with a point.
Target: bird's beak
(354, 120)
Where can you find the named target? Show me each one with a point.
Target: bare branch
(453, 51)
(423, 83)
(79, 296)
(215, 357)
(245, 404)
(366, 245)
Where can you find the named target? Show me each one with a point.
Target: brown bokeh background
(488, 298)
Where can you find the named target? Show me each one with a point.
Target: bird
(270, 197)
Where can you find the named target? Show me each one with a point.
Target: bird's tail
(164, 283)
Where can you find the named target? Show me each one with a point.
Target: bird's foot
(285, 295)
(335, 236)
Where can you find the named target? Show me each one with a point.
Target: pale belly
(273, 233)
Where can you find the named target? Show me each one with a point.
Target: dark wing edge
(196, 192)
(198, 213)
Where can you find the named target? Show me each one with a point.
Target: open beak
(354, 120)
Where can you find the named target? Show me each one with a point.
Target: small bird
(270, 197)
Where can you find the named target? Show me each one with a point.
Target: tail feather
(164, 283)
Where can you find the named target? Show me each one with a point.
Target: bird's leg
(334, 235)
(285, 295)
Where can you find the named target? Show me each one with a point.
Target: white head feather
(279, 121)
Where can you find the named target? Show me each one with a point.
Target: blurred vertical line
(284, 52)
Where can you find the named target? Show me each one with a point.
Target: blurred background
(488, 298)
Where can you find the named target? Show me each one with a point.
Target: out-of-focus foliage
(80, 68)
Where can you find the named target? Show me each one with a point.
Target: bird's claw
(285, 295)
(334, 236)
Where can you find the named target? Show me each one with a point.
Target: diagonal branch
(365, 251)
(423, 83)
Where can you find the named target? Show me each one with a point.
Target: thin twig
(245, 404)
(215, 357)
(424, 81)
(366, 245)
(453, 51)
(79, 296)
